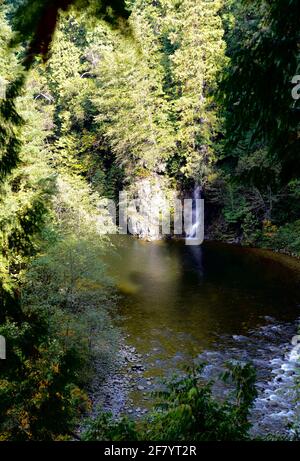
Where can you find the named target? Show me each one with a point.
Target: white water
(278, 405)
(277, 361)
(193, 232)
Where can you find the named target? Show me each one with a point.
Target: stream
(213, 303)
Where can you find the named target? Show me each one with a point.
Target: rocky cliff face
(150, 204)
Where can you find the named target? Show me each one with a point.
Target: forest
(100, 96)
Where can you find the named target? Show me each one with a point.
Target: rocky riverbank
(113, 394)
(268, 348)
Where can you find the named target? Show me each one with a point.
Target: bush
(285, 238)
(187, 411)
(62, 322)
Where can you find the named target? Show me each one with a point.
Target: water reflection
(180, 298)
(217, 303)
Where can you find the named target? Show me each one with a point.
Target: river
(211, 303)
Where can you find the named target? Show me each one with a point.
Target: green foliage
(68, 280)
(129, 89)
(25, 196)
(187, 411)
(11, 81)
(284, 238)
(165, 96)
(106, 428)
(39, 396)
(63, 323)
(263, 42)
(258, 157)
(49, 352)
(35, 21)
(196, 33)
(112, 105)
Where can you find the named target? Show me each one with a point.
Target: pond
(213, 302)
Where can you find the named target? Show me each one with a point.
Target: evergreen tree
(130, 87)
(40, 397)
(199, 56)
(264, 57)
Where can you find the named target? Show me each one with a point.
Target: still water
(214, 302)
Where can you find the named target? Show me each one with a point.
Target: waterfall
(194, 218)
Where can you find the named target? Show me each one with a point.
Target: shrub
(187, 411)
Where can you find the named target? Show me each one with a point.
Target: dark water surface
(215, 302)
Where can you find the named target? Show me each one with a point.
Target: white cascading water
(276, 358)
(192, 233)
(279, 402)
